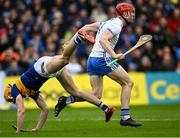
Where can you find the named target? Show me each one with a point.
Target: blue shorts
(97, 66)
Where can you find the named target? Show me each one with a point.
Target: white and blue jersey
(99, 58)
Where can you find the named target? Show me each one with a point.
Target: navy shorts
(97, 66)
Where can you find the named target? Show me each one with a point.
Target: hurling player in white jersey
(107, 34)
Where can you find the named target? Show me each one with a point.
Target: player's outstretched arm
(20, 112)
(44, 113)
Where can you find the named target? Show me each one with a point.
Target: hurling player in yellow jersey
(39, 72)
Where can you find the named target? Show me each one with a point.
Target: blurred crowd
(30, 29)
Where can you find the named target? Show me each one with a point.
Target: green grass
(158, 121)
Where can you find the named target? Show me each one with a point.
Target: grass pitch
(158, 121)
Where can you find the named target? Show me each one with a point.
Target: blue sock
(125, 113)
(77, 39)
(103, 106)
(70, 99)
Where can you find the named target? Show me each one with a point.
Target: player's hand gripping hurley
(142, 40)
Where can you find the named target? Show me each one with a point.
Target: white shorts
(40, 67)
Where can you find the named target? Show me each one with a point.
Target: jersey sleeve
(115, 28)
(15, 91)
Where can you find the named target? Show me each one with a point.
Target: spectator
(145, 64)
(167, 61)
(4, 41)
(178, 67)
(174, 21)
(50, 49)
(38, 43)
(8, 56)
(157, 63)
(14, 69)
(18, 45)
(74, 67)
(29, 55)
(30, 29)
(111, 12)
(176, 43)
(100, 12)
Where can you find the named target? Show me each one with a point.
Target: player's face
(130, 16)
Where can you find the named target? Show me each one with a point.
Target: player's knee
(98, 94)
(130, 83)
(77, 94)
(63, 60)
(21, 112)
(66, 61)
(127, 83)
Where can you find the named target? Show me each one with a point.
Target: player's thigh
(41, 103)
(55, 63)
(97, 85)
(67, 82)
(119, 75)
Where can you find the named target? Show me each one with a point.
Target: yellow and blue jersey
(28, 84)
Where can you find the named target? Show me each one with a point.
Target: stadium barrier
(149, 88)
(163, 87)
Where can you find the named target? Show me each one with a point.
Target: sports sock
(77, 39)
(125, 113)
(70, 99)
(103, 106)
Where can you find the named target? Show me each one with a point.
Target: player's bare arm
(104, 41)
(44, 113)
(20, 112)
